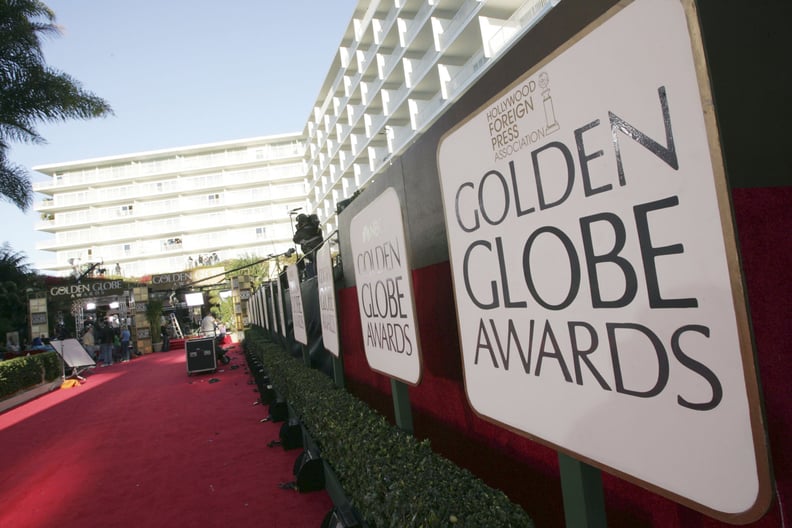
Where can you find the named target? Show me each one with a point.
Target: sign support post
(584, 500)
(401, 405)
(306, 356)
(338, 371)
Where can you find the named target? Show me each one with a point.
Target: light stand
(63, 362)
(75, 372)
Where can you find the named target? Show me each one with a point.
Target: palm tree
(13, 265)
(154, 318)
(31, 91)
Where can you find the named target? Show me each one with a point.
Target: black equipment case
(200, 355)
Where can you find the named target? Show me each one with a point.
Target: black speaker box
(342, 516)
(309, 470)
(278, 411)
(267, 394)
(291, 434)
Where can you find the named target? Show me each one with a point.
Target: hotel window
(126, 210)
(214, 199)
(261, 232)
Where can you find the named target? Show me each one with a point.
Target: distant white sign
(273, 307)
(327, 300)
(298, 314)
(265, 304)
(590, 240)
(253, 307)
(279, 304)
(384, 289)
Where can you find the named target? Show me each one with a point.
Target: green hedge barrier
(390, 477)
(22, 373)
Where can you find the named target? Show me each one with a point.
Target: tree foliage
(13, 264)
(257, 268)
(16, 278)
(222, 309)
(31, 91)
(154, 318)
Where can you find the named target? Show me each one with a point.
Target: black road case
(200, 355)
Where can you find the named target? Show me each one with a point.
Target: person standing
(116, 345)
(106, 343)
(89, 342)
(125, 338)
(208, 326)
(165, 337)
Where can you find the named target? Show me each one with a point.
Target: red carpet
(144, 444)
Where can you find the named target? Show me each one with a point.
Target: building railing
(137, 169)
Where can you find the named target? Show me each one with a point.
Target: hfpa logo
(372, 230)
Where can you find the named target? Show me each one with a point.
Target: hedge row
(389, 476)
(21, 373)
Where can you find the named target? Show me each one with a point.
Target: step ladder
(177, 331)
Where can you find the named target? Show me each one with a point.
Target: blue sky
(177, 73)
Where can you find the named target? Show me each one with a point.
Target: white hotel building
(398, 67)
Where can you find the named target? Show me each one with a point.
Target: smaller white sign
(298, 314)
(384, 289)
(265, 305)
(253, 308)
(279, 304)
(327, 301)
(273, 308)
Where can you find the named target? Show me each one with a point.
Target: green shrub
(390, 477)
(25, 372)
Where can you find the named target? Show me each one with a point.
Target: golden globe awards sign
(273, 307)
(87, 288)
(384, 289)
(599, 300)
(279, 306)
(265, 305)
(327, 301)
(298, 314)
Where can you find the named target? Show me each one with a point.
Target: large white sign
(384, 289)
(327, 300)
(298, 314)
(590, 241)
